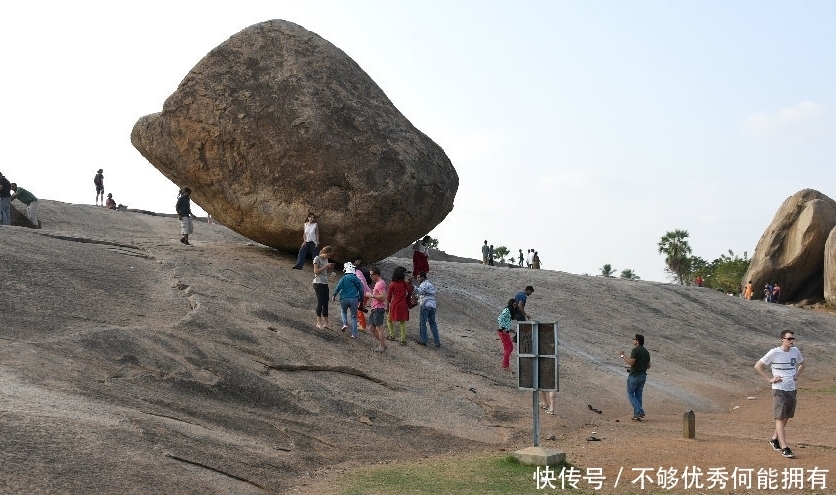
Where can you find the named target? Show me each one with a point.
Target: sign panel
(537, 362)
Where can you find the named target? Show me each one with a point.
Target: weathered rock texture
(791, 251)
(276, 122)
(830, 268)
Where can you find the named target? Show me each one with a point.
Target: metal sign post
(537, 363)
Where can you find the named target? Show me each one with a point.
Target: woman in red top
(396, 303)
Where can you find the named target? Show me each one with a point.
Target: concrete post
(689, 425)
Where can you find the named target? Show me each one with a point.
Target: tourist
(29, 200)
(504, 332)
(98, 180)
(776, 293)
(350, 289)
(427, 305)
(521, 258)
(786, 365)
(547, 399)
(5, 201)
(322, 268)
(528, 258)
(639, 362)
(378, 312)
(365, 277)
(310, 241)
(485, 253)
(535, 261)
(747, 292)
(184, 213)
(110, 203)
(396, 298)
(421, 256)
(490, 255)
(521, 298)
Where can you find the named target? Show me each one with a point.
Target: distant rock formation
(830, 268)
(792, 250)
(276, 122)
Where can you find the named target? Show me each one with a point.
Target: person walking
(639, 362)
(521, 298)
(310, 241)
(421, 256)
(427, 303)
(485, 253)
(786, 365)
(747, 292)
(184, 213)
(396, 298)
(98, 181)
(521, 259)
(378, 312)
(503, 322)
(29, 199)
(350, 289)
(5, 200)
(322, 268)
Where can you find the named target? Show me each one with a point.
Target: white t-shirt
(783, 364)
(310, 232)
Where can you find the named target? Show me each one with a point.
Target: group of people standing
(771, 292)
(360, 287)
(532, 258)
(9, 191)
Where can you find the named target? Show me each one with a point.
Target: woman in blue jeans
(426, 295)
(350, 289)
(310, 242)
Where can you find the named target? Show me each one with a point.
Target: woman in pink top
(378, 313)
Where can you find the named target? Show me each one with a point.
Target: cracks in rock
(346, 370)
(214, 470)
(135, 250)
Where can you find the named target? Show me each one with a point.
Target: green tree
(629, 274)
(432, 244)
(674, 245)
(500, 253)
(727, 271)
(607, 271)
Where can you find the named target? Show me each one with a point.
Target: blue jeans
(428, 314)
(349, 305)
(5, 211)
(635, 386)
(307, 248)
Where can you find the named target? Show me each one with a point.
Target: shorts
(376, 317)
(186, 226)
(783, 403)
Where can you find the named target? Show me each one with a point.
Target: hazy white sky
(583, 129)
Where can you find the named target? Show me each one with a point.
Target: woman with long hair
(322, 268)
(396, 298)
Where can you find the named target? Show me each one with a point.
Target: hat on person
(349, 267)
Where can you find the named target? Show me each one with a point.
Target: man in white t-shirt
(786, 365)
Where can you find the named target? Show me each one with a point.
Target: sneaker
(636, 418)
(343, 329)
(776, 445)
(438, 344)
(787, 453)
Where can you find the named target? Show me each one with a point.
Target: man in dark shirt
(5, 200)
(639, 362)
(184, 213)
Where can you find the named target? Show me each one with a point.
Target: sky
(583, 129)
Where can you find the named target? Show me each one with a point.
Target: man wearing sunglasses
(786, 364)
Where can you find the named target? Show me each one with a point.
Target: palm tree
(629, 274)
(607, 270)
(677, 254)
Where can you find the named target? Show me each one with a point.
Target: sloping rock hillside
(130, 363)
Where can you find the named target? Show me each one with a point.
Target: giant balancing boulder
(791, 252)
(276, 122)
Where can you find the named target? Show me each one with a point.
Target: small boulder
(276, 122)
(791, 251)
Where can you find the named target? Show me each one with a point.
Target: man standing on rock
(639, 362)
(98, 180)
(786, 363)
(184, 213)
(485, 249)
(5, 200)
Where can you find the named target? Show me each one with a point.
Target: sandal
(543, 405)
(550, 412)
